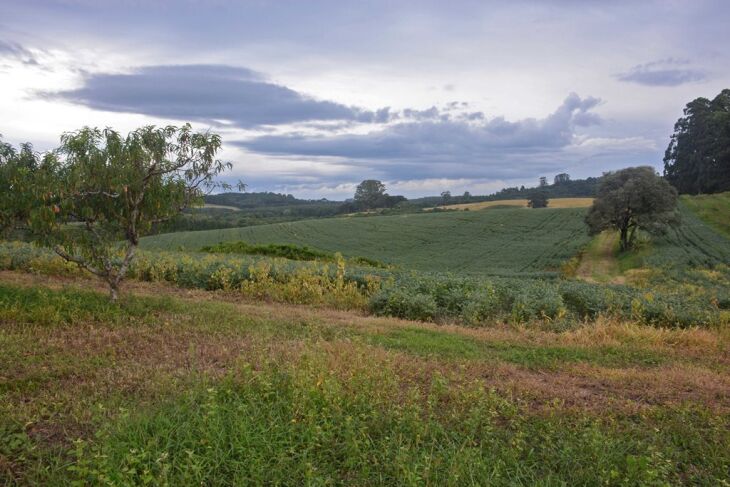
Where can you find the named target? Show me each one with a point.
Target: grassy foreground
(175, 387)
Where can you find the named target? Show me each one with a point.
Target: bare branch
(77, 260)
(85, 194)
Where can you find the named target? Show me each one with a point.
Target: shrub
(677, 300)
(287, 251)
(537, 301)
(404, 303)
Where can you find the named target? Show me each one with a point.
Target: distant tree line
(258, 208)
(563, 187)
(698, 157)
(369, 195)
(262, 199)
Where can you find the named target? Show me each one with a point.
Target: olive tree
(631, 199)
(108, 190)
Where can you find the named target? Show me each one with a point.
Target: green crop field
(713, 209)
(501, 242)
(693, 243)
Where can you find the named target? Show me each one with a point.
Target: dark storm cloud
(449, 141)
(16, 51)
(209, 93)
(666, 72)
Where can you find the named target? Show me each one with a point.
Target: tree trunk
(624, 242)
(113, 290)
(632, 236)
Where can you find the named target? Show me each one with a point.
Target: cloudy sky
(311, 97)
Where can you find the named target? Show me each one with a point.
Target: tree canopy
(104, 191)
(370, 193)
(698, 157)
(561, 178)
(631, 199)
(20, 172)
(538, 199)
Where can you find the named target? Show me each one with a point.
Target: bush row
(331, 283)
(286, 251)
(474, 301)
(428, 297)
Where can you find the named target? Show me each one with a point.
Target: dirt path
(598, 263)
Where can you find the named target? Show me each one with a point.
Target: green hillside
(713, 209)
(505, 242)
(693, 243)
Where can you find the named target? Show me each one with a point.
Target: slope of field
(598, 262)
(506, 242)
(714, 209)
(522, 203)
(693, 243)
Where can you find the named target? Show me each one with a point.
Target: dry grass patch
(520, 203)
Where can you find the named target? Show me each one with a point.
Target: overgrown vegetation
(164, 391)
(560, 303)
(428, 297)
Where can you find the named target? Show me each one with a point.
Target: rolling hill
(713, 209)
(507, 241)
(504, 242)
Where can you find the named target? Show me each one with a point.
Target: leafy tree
(369, 194)
(697, 159)
(466, 197)
(561, 178)
(8, 184)
(446, 197)
(19, 169)
(538, 199)
(392, 201)
(631, 199)
(107, 191)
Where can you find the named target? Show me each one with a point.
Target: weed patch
(304, 426)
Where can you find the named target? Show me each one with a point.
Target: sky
(312, 97)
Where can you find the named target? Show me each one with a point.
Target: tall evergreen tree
(698, 157)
